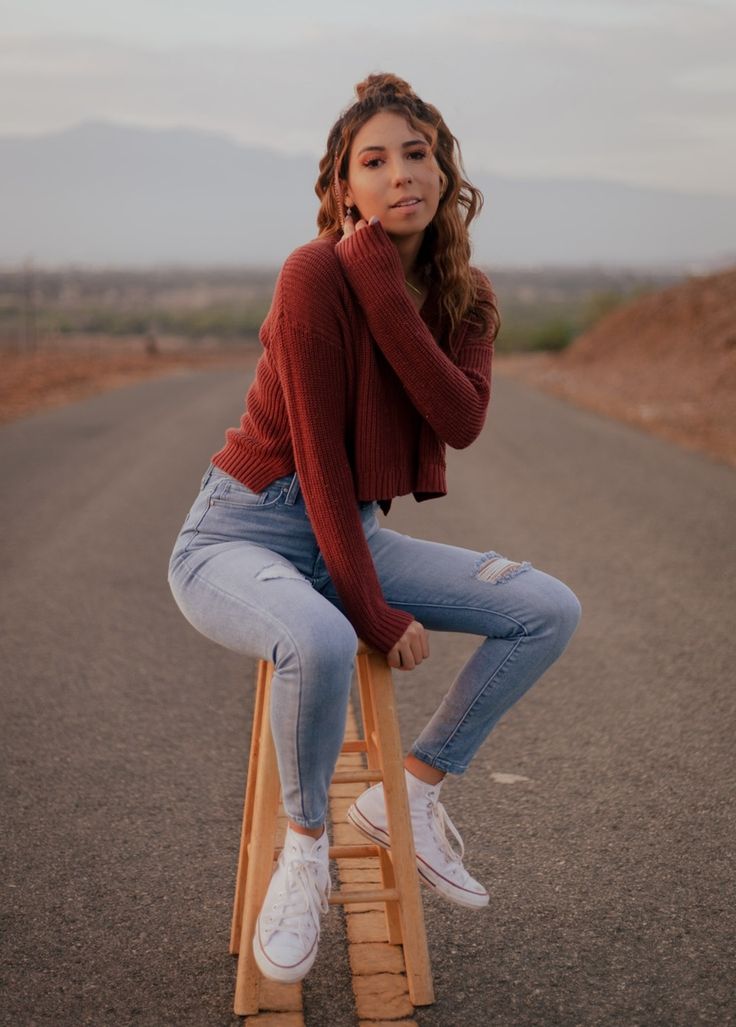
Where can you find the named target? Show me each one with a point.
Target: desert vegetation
(184, 308)
(656, 350)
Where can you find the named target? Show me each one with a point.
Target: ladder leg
(416, 952)
(260, 859)
(388, 878)
(250, 791)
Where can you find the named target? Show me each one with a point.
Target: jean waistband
(290, 482)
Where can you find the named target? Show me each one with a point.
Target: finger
(417, 651)
(418, 643)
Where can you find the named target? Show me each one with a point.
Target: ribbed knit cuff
(371, 261)
(386, 630)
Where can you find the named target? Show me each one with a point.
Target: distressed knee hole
(495, 568)
(279, 570)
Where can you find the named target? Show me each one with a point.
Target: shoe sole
(381, 837)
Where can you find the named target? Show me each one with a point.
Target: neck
(408, 247)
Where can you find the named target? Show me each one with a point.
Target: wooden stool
(258, 851)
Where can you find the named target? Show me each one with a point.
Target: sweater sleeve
(311, 369)
(451, 394)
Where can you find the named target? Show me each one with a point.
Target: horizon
(635, 93)
(184, 128)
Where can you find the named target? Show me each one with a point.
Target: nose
(402, 175)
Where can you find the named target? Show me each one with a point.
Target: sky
(641, 92)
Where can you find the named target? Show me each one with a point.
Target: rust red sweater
(359, 393)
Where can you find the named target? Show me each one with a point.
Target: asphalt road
(125, 733)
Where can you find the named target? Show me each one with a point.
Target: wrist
(372, 265)
(370, 253)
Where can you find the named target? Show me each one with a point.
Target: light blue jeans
(246, 571)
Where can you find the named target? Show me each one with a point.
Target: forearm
(314, 387)
(452, 396)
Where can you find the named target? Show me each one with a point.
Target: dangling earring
(339, 199)
(348, 212)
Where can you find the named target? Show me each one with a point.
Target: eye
(414, 153)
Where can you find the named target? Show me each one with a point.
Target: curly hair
(444, 255)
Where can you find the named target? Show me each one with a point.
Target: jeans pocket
(227, 511)
(231, 492)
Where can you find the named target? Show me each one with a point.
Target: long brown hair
(444, 255)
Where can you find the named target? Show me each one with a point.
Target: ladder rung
(343, 851)
(355, 745)
(361, 774)
(369, 895)
(359, 851)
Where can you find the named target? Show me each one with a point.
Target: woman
(377, 354)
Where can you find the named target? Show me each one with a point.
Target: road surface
(598, 813)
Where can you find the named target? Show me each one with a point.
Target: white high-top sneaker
(439, 866)
(288, 927)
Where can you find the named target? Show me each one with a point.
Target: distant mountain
(119, 195)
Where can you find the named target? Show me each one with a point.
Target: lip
(407, 206)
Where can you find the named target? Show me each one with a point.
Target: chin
(401, 231)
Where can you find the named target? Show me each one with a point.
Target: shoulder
(485, 302)
(483, 286)
(314, 264)
(483, 310)
(310, 294)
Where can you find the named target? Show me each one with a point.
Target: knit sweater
(359, 393)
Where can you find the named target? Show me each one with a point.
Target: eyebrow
(411, 142)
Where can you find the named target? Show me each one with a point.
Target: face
(384, 169)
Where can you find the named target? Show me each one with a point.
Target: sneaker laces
(302, 878)
(440, 821)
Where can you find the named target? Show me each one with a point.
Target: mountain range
(117, 195)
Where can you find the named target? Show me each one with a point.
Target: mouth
(406, 204)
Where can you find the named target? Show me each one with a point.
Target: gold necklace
(417, 291)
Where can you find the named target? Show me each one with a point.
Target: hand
(411, 649)
(350, 229)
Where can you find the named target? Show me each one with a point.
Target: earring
(348, 212)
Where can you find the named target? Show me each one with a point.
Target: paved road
(125, 732)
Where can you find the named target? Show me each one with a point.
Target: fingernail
(374, 219)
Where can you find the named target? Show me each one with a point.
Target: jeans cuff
(436, 761)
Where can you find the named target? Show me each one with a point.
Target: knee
(563, 612)
(323, 652)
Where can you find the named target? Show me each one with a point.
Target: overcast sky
(634, 91)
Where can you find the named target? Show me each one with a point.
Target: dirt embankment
(665, 363)
(53, 376)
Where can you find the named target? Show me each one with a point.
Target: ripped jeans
(246, 571)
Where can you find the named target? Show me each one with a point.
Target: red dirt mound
(665, 362)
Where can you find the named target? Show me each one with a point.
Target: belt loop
(293, 491)
(206, 476)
